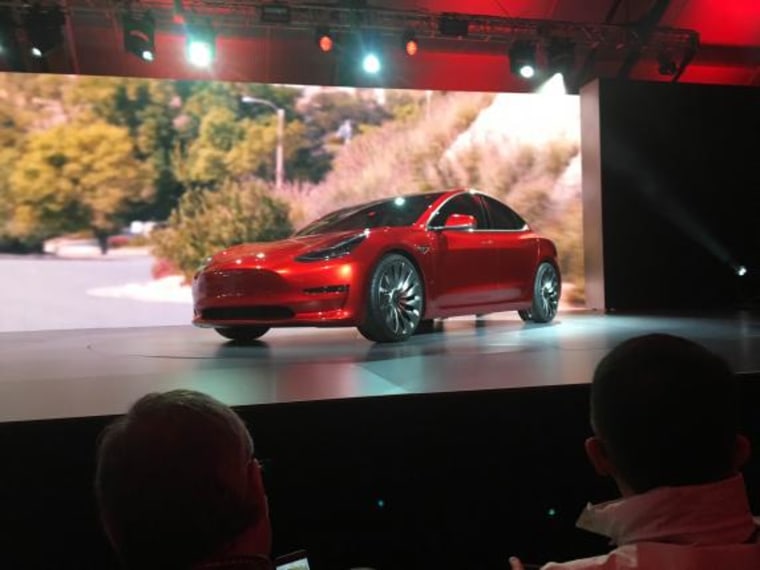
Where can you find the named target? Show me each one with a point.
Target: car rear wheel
(394, 300)
(242, 334)
(546, 290)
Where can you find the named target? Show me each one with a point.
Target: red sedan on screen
(388, 267)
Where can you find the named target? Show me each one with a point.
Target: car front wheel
(394, 300)
(242, 334)
(546, 291)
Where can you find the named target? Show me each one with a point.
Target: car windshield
(393, 212)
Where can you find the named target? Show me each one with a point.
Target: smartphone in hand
(297, 560)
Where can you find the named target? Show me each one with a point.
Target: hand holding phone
(297, 560)
(516, 564)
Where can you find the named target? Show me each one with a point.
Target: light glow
(371, 63)
(527, 71)
(199, 53)
(555, 85)
(325, 43)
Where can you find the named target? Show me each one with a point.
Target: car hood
(265, 253)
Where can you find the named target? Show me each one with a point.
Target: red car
(387, 267)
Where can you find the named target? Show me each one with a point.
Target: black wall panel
(680, 194)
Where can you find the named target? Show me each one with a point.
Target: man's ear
(256, 485)
(742, 451)
(597, 455)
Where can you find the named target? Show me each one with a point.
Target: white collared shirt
(695, 527)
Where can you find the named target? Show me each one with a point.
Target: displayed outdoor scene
(113, 190)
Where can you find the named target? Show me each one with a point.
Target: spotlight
(43, 29)
(371, 64)
(178, 12)
(411, 47)
(7, 31)
(527, 70)
(200, 46)
(741, 270)
(139, 35)
(325, 40)
(522, 59)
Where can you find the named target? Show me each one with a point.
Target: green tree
(207, 221)
(76, 177)
(9, 155)
(206, 161)
(254, 155)
(147, 108)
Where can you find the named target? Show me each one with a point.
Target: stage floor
(93, 372)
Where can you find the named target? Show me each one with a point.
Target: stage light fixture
(522, 59)
(325, 40)
(275, 13)
(7, 31)
(666, 65)
(178, 12)
(139, 32)
(560, 56)
(453, 25)
(200, 44)
(43, 28)
(411, 46)
(741, 270)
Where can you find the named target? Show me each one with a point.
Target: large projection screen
(94, 169)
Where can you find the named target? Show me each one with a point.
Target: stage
(362, 444)
(96, 372)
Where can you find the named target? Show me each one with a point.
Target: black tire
(394, 300)
(426, 326)
(547, 287)
(242, 334)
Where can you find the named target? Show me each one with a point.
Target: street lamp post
(280, 155)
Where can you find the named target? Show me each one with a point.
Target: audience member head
(177, 484)
(664, 413)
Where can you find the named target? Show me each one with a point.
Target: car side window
(460, 204)
(502, 216)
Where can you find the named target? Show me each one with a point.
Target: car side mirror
(460, 222)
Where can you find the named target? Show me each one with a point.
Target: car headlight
(339, 249)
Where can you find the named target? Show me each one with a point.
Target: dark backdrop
(680, 194)
(421, 482)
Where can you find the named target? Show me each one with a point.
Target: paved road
(44, 293)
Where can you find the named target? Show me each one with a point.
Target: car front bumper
(300, 294)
